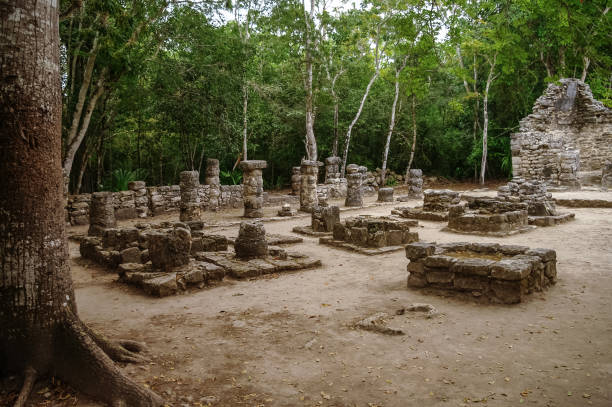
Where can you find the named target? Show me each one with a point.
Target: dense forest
(153, 87)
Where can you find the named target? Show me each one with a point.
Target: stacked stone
(231, 196)
(533, 193)
(324, 218)
(125, 208)
(252, 187)
(488, 216)
(101, 213)
(296, 180)
(365, 231)
(78, 209)
(171, 249)
(332, 169)
(309, 171)
(415, 183)
(439, 200)
(567, 132)
(471, 268)
(251, 240)
(354, 191)
(385, 194)
(212, 180)
(190, 199)
(286, 210)
(322, 194)
(606, 175)
(141, 201)
(164, 199)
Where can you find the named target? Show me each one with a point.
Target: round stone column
(101, 213)
(309, 171)
(212, 180)
(332, 168)
(252, 187)
(190, 200)
(296, 180)
(251, 241)
(354, 193)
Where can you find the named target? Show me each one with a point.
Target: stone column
(308, 187)
(332, 170)
(141, 200)
(252, 187)
(415, 182)
(296, 180)
(251, 241)
(354, 193)
(101, 213)
(212, 179)
(190, 200)
(385, 195)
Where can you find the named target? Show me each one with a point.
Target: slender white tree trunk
(414, 137)
(245, 107)
(585, 68)
(398, 71)
(311, 141)
(485, 125)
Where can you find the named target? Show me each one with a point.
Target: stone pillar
(190, 199)
(212, 179)
(101, 213)
(252, 187)
(332, 168)
(141, 200)
(415, 182)
(308, 186)
(354, 193)
(385, 195)
(251, 240)
(296, 180)
(606, 175)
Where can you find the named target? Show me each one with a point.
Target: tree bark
(485, 125)
(311, 141)
(398, 71)
(347, 138)
(585, 68)
(414, 136)
(75, 142)
(40, 330)
(245, 107)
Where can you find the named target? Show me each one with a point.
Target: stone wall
(493, 272)
(567, 133)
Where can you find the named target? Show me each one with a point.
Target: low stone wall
(374, 234)
(490, 271)
(488, 216)
(436, 203)
(142, 201)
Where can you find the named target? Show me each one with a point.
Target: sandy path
(286, 340)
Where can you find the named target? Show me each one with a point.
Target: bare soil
(289, 340)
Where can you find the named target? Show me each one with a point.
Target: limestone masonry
(566, 139)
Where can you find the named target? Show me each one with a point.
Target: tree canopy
(153, 87)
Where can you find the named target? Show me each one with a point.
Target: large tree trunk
(398, 71)
(40, 330)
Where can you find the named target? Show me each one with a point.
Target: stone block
(418, 250)
(162, 286)
(473, 266)
(440, 261)
(511, 269)
(131, 255)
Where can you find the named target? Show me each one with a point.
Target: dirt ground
(287, 340)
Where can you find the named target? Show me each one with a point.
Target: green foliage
(230, 177)
(120, 178)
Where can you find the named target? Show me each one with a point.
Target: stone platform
(420, 214)
(277, 261)
(488, 217)
(488, 271)
(436, 203)
(372, 235)
(552, 220)
(274, 239)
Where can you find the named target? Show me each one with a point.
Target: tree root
(30, 375)
(120, 350)
(82, 362)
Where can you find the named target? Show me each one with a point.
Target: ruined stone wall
(567, 133)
